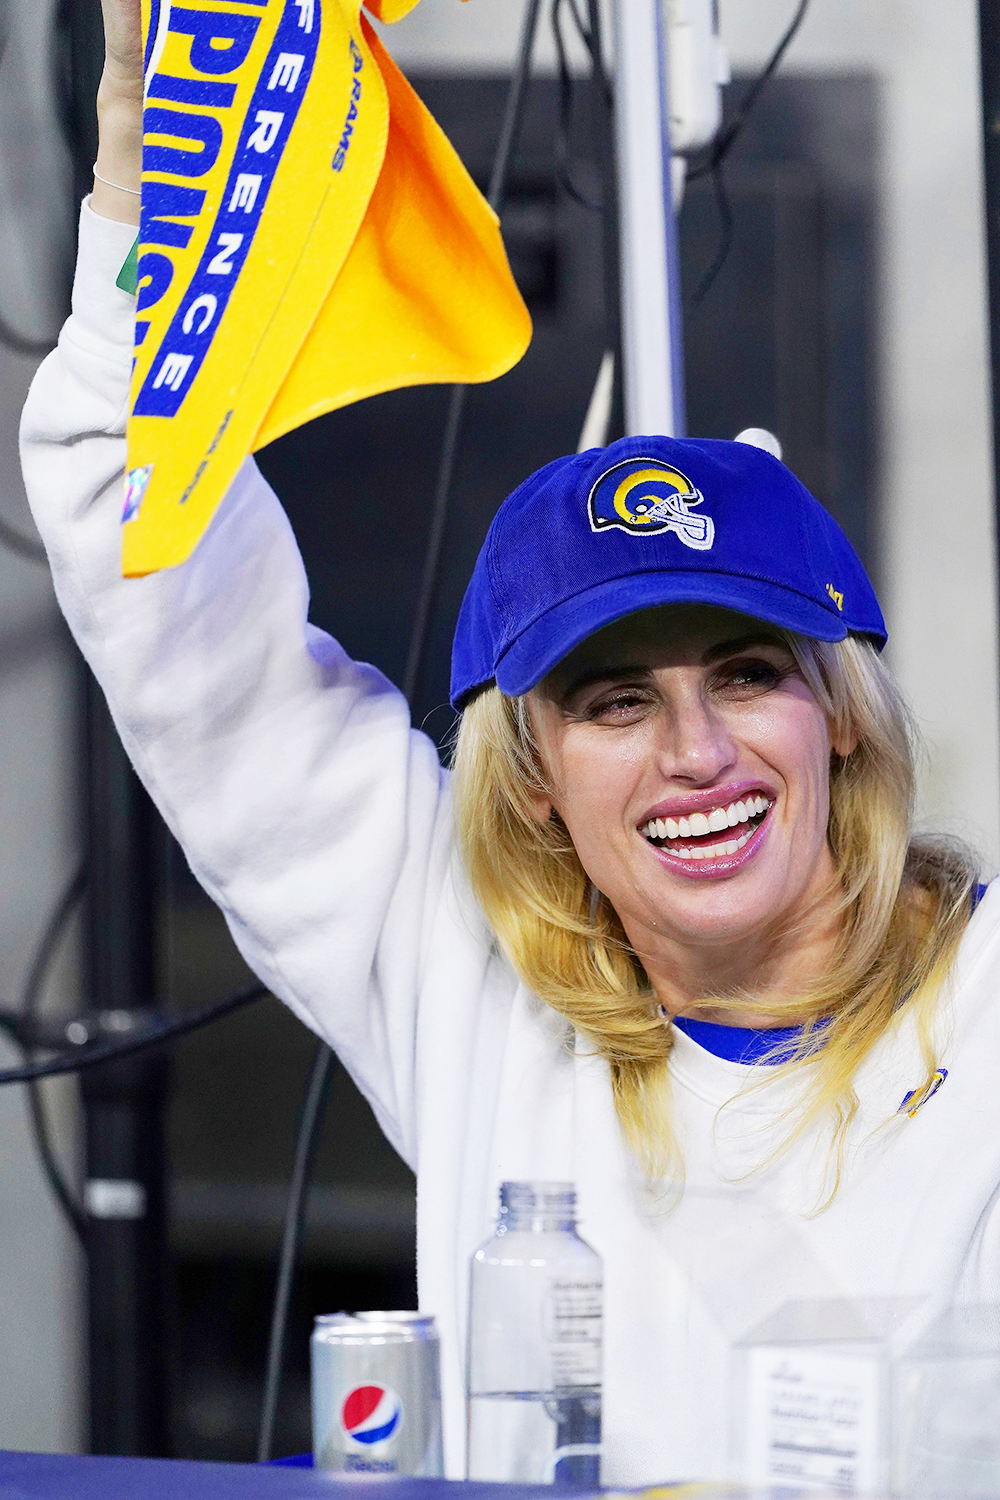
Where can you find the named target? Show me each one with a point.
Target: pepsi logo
(371, 1413)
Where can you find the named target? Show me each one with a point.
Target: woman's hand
(119, 114)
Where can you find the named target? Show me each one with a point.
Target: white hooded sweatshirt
(321, 824)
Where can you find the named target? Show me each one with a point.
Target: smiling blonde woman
(665, 934)
(897, 905)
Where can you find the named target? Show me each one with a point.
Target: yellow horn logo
(641, 512)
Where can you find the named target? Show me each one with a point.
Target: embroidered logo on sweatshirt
(917, 1098)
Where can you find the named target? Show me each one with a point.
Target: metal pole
(124, 1104)
(124, 1107)
(650, 268)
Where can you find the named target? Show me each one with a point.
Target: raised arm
(308, 808)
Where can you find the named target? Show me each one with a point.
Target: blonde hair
(905, 902)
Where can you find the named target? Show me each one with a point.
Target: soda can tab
(376, 1394)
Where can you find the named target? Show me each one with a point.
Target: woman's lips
(701, 855)
(711, 830)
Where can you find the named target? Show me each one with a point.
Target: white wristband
(136, 193)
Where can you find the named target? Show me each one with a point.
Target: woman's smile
(690, 762)
(709, 833)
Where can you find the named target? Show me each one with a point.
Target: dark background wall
(783, 340)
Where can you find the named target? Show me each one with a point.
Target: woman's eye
(621, 707)
(752, 676)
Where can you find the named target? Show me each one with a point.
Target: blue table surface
(45, 1476)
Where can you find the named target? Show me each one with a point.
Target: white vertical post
(652, 340)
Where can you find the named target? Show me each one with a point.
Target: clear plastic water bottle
(535, 1343)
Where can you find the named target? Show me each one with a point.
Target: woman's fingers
(122, 47)
(119, 115)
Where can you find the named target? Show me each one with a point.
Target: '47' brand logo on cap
(644, 497)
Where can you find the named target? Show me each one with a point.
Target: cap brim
(555, 634)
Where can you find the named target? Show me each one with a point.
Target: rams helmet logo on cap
(644, 496)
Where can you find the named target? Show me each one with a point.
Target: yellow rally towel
(308, 238)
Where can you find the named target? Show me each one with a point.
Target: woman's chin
(722, 907)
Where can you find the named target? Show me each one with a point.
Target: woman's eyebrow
(740, 643)
(621, 671)
(616, 673)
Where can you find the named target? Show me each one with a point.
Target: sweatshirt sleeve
(308, 808)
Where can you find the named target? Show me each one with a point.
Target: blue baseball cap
(647, 521)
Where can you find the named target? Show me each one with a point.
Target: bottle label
(574, 1318)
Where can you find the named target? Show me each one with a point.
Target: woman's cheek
(602, 771)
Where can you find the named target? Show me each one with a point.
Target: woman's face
(690, 763)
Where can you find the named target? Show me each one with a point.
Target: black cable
(725, 234)
(514, 112)
(29, 1007)
(610, 228)
(155, 1034)
(295, 1215)
(723, 143)
(726, 136)
(432, 557)
(312, 1113)
(589, 32)
(566, 96)
(509, 131)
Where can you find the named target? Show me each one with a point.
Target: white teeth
(716, 851)
(733, 846)
(716, 821)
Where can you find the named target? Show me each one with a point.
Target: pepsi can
(376, 1393)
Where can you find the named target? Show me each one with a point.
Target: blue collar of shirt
(742, 1044)
(746, 1044)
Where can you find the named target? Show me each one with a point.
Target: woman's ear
(539, 804)
(843, 739)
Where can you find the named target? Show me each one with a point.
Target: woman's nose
(696, 744)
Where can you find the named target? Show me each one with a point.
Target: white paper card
(813, 1419)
